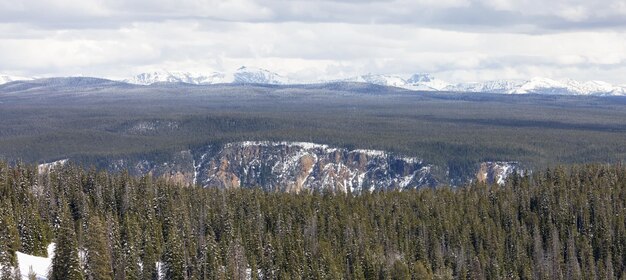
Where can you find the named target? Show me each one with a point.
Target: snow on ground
(40, 265)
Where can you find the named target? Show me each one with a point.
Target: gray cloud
(466, 15)
(456, 39)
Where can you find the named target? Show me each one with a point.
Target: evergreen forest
(560, 223)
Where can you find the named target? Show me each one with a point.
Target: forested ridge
(101, 124)
(562, 223)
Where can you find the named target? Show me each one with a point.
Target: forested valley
(561, 223)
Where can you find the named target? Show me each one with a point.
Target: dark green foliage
(173, 258)
(9, 239)
(558, 224)
(65, 263)
(98, 258)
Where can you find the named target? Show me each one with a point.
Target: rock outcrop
(295, 167)
(496, 171)
(299, 166)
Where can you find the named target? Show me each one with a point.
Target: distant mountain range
(418, 82)
(243, 75)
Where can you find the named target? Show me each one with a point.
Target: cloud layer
(454, 39)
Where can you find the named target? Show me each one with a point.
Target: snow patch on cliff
(46, 167)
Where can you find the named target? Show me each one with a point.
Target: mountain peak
(420, 78)
(243, 75)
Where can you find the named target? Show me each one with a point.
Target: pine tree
(98, 258)
(8, 243)
(422, 271)
(131, 255)
(6, 268)
(212, 263)
(148, 259)
(400, 271)
(65, 263)
(173, 261)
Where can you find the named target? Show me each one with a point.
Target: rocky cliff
(496, 171)
(296, 167)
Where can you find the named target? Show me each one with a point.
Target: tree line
(562, 223)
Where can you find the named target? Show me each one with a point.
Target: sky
(455, 40)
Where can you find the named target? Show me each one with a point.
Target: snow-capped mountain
(243, 75)
(426, 82)
(383, 80)
(177, 77)
(545, 86)
(541, 86)
(497, 86)
(247, 75)
(415, 82)
(8, 78)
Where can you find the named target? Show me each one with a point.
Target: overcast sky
(456, 40)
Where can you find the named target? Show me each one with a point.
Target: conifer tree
(129, 244)
(173, 261)
(422, 271)
(148, 259)
(98, 258)
(65, 263)
(8, 243)
(212, 260)
(6, 267)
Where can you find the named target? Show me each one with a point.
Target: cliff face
(294, 167)
(179, 169)
(496, 171)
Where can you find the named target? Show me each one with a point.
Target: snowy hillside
(541, 86)
(243, 75)
(247, 75)
(177, 77)
(546, 86)
(498, 86)
(39, 266)
(383, 80)
(424, 82)
(8, 78)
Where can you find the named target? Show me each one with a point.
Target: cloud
(467, 15)
(454, 39)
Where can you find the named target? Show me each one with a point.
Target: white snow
(406, 180)
(40, 265)
(178, 77)
(8, 78)
(376, 153)
(46, 167)
(539, 85)
(302, 145)
(243, 75)
(502, 170)
(423, 82)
